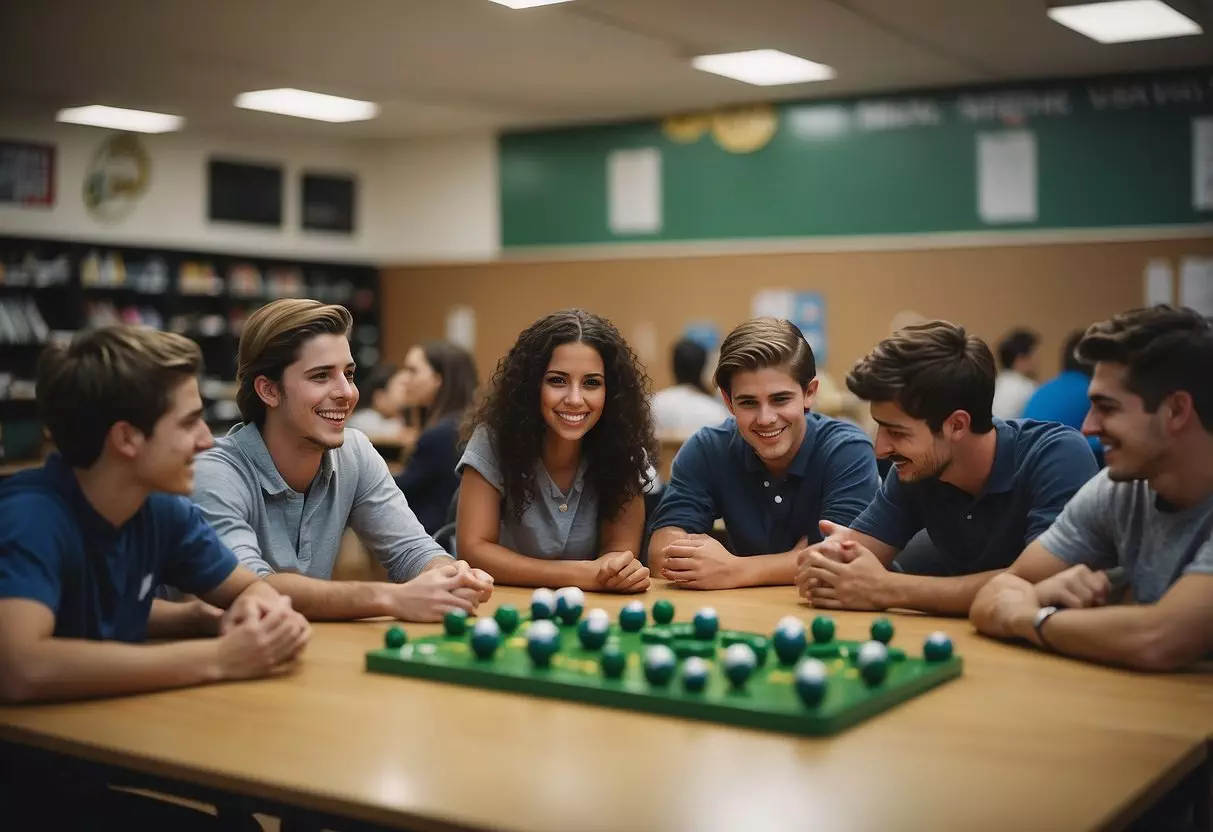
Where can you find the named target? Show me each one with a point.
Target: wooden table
(1022, 740)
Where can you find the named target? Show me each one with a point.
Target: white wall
(418, 201)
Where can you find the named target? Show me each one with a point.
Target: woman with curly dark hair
(555, 469)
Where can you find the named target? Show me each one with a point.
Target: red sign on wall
(27, 173)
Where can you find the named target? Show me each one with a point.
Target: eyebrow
(893, 425)
(1099, 398)
(563, 373)
(192, 416)
(330, 367)
(769, 395)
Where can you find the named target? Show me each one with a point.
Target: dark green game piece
(663, 612)
(455, 623)
(706, 624)
(811, 680)
(694, 675)
(896, 654)
(937, 648)
(823, 629)
(682, 629)
(872, 659)
(759, 645)
(823, 651)
(593, 633)
(739, 664)
(613, 661)
(686, 647)
(395, 638)
(486, 638)
(507, 618)
(659, 665)
(656, 635)
(632, 617)
(789, 645)
(882, 630)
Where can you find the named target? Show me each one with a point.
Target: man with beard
(1148, 516)
(282, 486)
(980, 487)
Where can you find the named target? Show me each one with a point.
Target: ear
(267, 391)
(1178, 410)
(125, 439)
(810, 392)
(958, 425)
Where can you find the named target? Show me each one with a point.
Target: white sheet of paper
(1006, 176)
(1196, 284)
(1202, 163)
(634, 191)
(774, 303)
(1159, 283)
(461, 327)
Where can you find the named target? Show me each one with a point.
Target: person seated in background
(1017, 381)
(382, 400)
(981, 487)
(1063, 399)
(558, 458)
(440, 381)
(771, 472)
(86, 538)
(282, 486)
(686, 407)
(1146, 520)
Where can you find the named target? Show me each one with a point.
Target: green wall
(1110, 152)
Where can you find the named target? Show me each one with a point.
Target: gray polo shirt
(273, 528)
(556, 525)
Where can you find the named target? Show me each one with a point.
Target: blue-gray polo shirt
(716, 474)
(96, 578)
(1038, 467)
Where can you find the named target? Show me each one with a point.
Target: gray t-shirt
(273, 528)
(556, 525)
(1119, 524)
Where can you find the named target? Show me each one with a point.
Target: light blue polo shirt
(556, 525)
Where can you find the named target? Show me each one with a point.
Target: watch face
(1044, 613)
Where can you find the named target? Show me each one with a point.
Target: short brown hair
(109, 375)
(930, 371)
(271, 340)
(1165, 349)
(765, 342)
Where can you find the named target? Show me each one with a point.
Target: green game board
(768, 700)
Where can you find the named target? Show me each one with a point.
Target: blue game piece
(873, 662)
(694, 674)
(659, 664)
(593, 630)
(632, 616)
(613, 661)
(739, 662)
(811, 680)
(542, 641)
(706, 624)
(570, 601)
(486, 637)
(790, 640)
(937, 648)
(543, 604)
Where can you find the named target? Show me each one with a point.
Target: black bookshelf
(51, 289)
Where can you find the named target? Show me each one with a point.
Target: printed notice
(461, 327)
(1196, 284)
(1202, 163)
(1159, 283)
(1006, 176)
(634, 191)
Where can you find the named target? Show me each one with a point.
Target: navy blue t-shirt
(717, 474)
(1038, 467)
(100, 580)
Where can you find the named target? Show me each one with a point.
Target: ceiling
(456, 66)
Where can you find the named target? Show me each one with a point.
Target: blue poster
(810, 315)
(704, 333)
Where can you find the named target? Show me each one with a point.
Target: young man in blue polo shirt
(981, 487)
(85, 540)
(771, 472)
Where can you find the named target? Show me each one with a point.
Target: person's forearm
(938, 596)
(657, 542)
(1126, 636)
(180, 619)
(767, 570)
(59, 669)
(318, 600)
(413, 560)
(512, 569)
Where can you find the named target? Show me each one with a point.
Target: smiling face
(915, 451)
(769, 406)
(420, 381)
(317, 393)
(164, 461)
(573, 392)
(1134, 440)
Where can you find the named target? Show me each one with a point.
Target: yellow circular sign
(117, 177)
(745, 129)
(686, 128)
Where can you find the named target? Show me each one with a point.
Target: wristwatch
(1043, 615)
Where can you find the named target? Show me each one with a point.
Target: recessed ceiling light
(527, 4)
(304, 104)
(764, 67)
(116, 118)
(1122, 21)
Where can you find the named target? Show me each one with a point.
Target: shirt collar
(578, 482)
(91, 522)
(800, 462)
(1002, 474)
(248, 438)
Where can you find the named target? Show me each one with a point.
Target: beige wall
(1053, 288)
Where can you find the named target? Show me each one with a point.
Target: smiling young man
(1146, 518)
(85, 539)
(771, 472)
(282, 486)
(982, 488)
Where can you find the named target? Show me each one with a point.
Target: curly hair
(617, 449)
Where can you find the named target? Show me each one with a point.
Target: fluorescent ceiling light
(304, 104)
(527, 4)
(116, 118)
(764, 67)
(1122, 21)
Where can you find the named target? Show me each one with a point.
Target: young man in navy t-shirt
(86, 539)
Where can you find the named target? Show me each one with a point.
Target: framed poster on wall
(27, 174)
(328, 202)
(244, 192)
